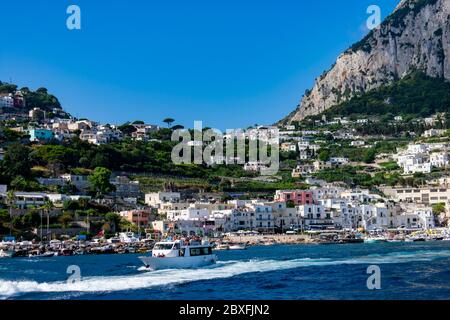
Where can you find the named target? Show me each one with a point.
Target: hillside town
(398, 186)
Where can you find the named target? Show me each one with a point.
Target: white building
(339, 161)
(233, 220)
(264, 217)
(417, 148)
(374, 217)
(416, 218)
(301, 170)
(357, 143)
(187, 214)
(79, 181)
(439, 159)
(328, 192)
(6, 101)
(157, 198)
(414, 162)
(253, 166)
(288, 147)
(315, 216)
(434, 133)
(418, 168)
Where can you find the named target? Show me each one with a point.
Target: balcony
(319, 222)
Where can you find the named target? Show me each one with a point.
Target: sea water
(408, 271)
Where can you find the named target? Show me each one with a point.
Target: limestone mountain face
(415, 36)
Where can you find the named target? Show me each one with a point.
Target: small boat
(130, 249)
(107, 249)
(238, 246)
(128, 237)
(397, 238)
(6, 253)
(20, 253)
(350, 239)
(114, 240)
(143, 250)
(66, 252)
(80, 252)
(179, 255)
(222, 246)
(416, 239)
(375, 239)
(42, 255)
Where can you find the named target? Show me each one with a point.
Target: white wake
(222, 270)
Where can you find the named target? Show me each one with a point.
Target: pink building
(298, 197)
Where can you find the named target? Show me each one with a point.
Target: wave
(221, 270)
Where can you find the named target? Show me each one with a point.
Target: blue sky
(229, 63)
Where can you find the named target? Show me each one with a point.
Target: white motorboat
(238, 246)
(6, 253)
(42, 255)
(128, 237)
(375, 239)
(416, 238)
(113, 240)
(179, 255)
(222, 246)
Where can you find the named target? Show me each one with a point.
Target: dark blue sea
(408, 271)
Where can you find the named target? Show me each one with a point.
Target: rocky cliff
(415, 36)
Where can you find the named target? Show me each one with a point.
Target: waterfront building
(297, 197)
(142, 218)
(426, 195)
(315, 217)
(188, 214)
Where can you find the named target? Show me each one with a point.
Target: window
(200, 251)
(163, 246)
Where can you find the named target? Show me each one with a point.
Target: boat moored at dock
(6, 253)
(238, 246)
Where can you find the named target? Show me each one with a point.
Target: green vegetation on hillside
(414, 95)
(34, 99)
